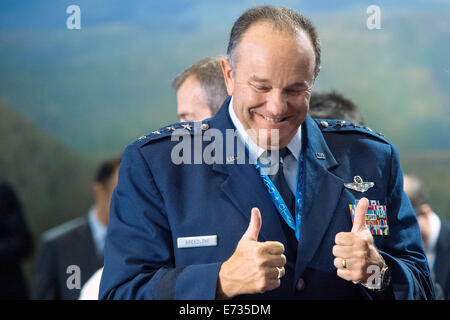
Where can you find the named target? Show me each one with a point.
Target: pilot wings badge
(359, 185)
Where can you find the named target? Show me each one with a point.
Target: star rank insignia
(376, 217)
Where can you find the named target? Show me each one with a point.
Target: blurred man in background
(200, 90)
(15, 245)
(332, 105)
(78, 243)
(435, 234)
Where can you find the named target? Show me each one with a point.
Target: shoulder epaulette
(182, 128)
(331, 125)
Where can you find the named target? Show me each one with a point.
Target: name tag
(200, 241)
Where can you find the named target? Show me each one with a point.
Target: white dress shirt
(435, 230)
(91, 288)
(98, 230)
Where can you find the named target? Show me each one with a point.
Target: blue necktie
(281, 184)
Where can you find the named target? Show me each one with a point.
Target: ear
(317, 73)
(228, 75)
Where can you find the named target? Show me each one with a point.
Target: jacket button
(300, 284)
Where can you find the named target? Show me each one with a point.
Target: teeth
(272, 119)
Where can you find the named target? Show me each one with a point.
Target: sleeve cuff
(197, 282)
(402, 281)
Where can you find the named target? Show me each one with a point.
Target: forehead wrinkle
(255, 78)
(303, 84)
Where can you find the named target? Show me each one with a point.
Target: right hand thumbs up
(254, 267)
(254, 226)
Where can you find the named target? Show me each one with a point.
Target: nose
(276, 103)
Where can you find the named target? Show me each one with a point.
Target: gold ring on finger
(279, 272)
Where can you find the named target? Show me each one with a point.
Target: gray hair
(282, 19)
(208, 72)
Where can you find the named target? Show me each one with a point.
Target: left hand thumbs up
(359, 222)
(355, 251)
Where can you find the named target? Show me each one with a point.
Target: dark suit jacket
(158, 201)
(15, 245)
(442, 263)
(69, 244)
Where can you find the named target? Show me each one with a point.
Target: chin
(277, 142)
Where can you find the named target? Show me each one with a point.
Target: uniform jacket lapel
(243, 185)
(321, 193)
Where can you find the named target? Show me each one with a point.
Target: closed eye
(260, 87)
(294, 92)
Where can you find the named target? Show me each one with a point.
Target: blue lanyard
(278, 200)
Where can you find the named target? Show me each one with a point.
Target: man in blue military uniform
(243, 226)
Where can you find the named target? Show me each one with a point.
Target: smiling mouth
(275, 120)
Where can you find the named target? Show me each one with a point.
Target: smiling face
(272, 80)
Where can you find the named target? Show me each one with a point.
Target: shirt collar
(98, 229)
(294, 145)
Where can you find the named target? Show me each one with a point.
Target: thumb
(254, 226)
(359, 223)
